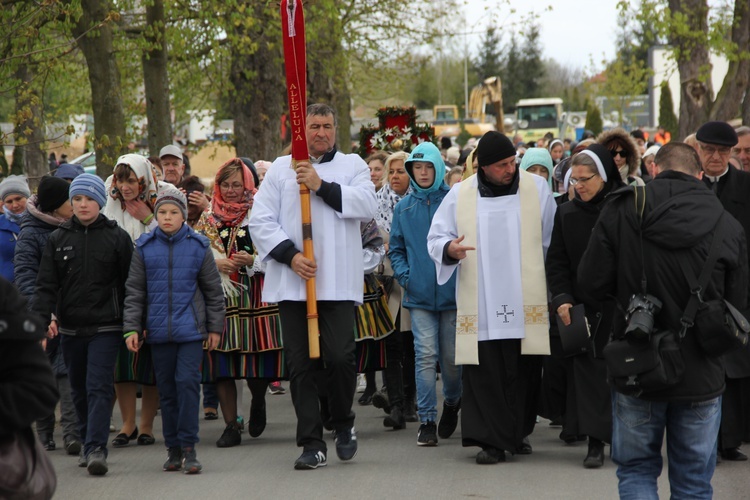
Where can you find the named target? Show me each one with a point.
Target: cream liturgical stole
(514, 304)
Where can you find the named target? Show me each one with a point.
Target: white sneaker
(361, 382)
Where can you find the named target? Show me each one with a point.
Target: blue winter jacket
(173, 288)
(8, 235)
(412, 216)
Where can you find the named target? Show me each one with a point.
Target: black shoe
(72, 446)
(556, 422)
(174, 459)
(82, 462)
(346, 444)
(380, 400)
(311, 459)
(366, 398)
(410, 410)
(210, 414)
(257, 423)
(230, 437)
(190, 464)
(595, 457)
(572, 438)
(525, 447)
(427, 434)
(97, 463)
(733, 455)
(489, 456)
(47, 442)
(146, 439)
(395, 419)
(123, 439)
(449, 420)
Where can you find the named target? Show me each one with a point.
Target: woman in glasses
(250, 347)
(625, 154)
(593, 175)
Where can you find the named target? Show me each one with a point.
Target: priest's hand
(564, 312)
(307, 175)
(305, 268)
(458, 251)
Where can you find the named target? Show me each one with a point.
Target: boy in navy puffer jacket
(175, 288)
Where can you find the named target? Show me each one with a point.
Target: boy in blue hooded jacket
(432, 307)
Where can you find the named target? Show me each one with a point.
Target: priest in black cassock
(494, 228)
(732, 186)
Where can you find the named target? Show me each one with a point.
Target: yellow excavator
(487, 95)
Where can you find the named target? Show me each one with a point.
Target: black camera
(640, 316)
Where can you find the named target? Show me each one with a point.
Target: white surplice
(501, 307)
(276, 216)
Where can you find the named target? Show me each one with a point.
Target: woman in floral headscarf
(250, 347)
(132, 190)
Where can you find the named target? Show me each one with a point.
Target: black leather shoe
(123, 439)
(595, 457)
(733, 455)
(257, 423)
(395, 419)
(366, 398)
(525, 447)
(490, 456)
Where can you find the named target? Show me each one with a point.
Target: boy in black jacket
(82, 281)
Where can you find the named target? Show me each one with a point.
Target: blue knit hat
(68, 171)
(91, 186)
(538, 156)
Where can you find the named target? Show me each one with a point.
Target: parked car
(87, 161)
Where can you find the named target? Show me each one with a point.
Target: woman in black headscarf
(587, 409)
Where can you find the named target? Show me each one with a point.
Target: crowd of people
(472, 266)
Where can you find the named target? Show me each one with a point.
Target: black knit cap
(493, 147)
(52, 193)
(719, 133)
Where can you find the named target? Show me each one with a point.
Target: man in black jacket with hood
(678, 221)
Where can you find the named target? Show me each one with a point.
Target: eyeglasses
(234, 187)
(623, 154)
(711, 150)
(582, 180)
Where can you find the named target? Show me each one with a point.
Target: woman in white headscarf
(131, 192)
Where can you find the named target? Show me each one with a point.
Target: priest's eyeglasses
(582, 180)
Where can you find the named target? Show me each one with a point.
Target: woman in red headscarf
(250, 347)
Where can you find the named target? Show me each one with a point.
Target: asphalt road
(389, 465)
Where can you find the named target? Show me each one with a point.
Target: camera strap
(640, 206)
(699, 285)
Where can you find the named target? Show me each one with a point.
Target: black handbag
(27, 470)
(641, 366)
(717, 325)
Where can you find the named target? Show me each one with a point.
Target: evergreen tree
(512, 80)
(594, 119)
(490, 60)
(667, 118)
(532, 68)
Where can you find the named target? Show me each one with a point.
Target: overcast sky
(573, 32)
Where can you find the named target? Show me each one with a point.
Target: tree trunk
(104, 78)
(258, 84)
(326, 73)
(746, 109)
(156, 80)
(738, 74)
(29, 129)
(696, 90)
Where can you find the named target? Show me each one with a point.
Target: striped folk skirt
(373, 324)
(250, 346)
(135, 366)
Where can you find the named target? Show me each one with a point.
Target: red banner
(295, 61)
